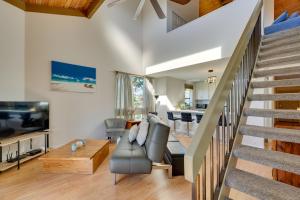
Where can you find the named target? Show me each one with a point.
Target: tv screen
(17, 118)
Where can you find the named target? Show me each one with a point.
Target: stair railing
(207, 157)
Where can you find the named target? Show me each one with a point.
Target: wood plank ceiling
(208, 6)
(82, 8)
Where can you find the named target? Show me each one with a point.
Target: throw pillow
(143, 132)
(133, 132)
(295, 14)
(281, 18)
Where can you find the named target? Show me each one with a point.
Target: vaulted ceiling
(82, 8)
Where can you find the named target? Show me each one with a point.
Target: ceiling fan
(139, 9)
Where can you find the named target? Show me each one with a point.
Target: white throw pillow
(143, 132)
(133, 132)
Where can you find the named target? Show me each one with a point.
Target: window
(188, 98)
(138, 96)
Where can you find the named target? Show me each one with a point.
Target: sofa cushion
(293, 15)
(111, 130)
(282, 17)
(130, 161)
(133, 133)
(288, 24)
(157, 139)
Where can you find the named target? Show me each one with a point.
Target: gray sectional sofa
(134, 159)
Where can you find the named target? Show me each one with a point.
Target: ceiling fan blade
(158, 9)
(182, 2)
(112, 3)
(139, 9)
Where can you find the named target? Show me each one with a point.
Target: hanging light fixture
(211, 78)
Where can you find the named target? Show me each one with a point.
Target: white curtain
(149, 100)
(124, 103)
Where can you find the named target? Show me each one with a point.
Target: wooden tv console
(17, 140)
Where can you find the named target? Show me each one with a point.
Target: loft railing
(206, 159)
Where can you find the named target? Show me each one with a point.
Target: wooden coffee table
(84, 161)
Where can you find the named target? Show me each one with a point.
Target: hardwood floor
(29, 183)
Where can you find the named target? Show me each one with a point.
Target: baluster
(223, 138)
(218, 155)
(212, 169)
(228, 127)
(204, 179)
(232, 112)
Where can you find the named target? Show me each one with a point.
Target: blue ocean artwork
(70, 77)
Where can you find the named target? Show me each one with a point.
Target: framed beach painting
(72, 78)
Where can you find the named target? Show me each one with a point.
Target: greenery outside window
(138, 88)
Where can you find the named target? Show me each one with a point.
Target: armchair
(115, 127)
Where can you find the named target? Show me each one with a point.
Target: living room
(129, 38)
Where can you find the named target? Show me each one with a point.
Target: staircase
(279, 54)
(210, 162)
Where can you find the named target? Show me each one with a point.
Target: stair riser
(259, 187)
(280, 83)
(273, 115)
(278, 72)
(279, 62)
(272, 137)
(280, 44)
(278, 54)
(274, 98)
(269, 158)
(281, 35)
(273, 134)
(275, 40)
(281, 39)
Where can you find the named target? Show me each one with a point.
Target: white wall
(217, 31)
(12, 55)
(175, 90)
(12, 52)
(268, 12)
(171, 93)
(110, 41)
(188, 12)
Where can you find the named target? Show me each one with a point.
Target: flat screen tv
(18, 118)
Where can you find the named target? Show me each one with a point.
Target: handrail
(196, 152)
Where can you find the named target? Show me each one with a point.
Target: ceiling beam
(18, 3)
(182, 2)
(52, 10)
(93, 8)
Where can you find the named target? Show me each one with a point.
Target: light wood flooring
(29, 183)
